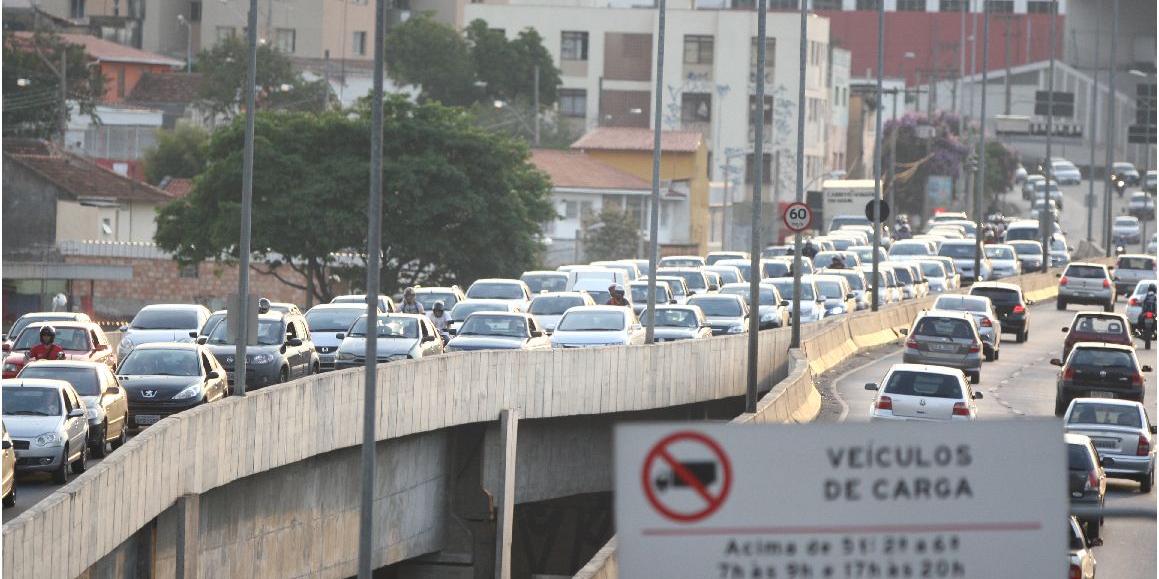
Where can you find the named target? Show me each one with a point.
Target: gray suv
(285, 350)
(1086, 283)
(942, 338)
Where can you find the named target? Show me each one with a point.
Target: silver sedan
(985, 318)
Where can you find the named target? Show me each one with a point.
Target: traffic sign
(841, 500)
(884, 211)
(798, 217)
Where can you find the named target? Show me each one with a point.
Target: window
(574, 46)
(867, 4)
(195, 11)
(768, 110)
(188, 271)
(697, 49)
(784, 5)
(285, 39)
(359, 42)
(1038, 7)
(827, 5)
(107, 226)
(573, 102)
(1000, 6)
(570, 209)
(952, 5)
(224, 32)
(911, 5)
(696, 107)
(76, 9)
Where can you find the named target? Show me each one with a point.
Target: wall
(340, 21)
(121, 78)
(29, 212)
(133, 221)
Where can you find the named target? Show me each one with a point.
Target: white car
(1065, 172)
(587, 326)
(1126, 229)
(1153, 244)
(963, 252)
(1135, 301)
(548, 308)
(812, 302)
(910, 249)
(163, 323)
(921, 392)
(935, 273)
(509, 290)
(681, 261)
(1004, 260)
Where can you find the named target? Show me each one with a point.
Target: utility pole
(980, 182)
(961, 63)
(1044, 217)
(1093, 133)
(247, 203)
(536, 105)
(63, 94)
(893, 157)
(654, 222)
(1006, 57)
(759, 177)
(1110, 144)
(877, 156)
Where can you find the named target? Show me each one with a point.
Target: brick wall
(160, 281)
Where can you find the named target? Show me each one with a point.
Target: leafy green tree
(508, 67)
(434, 57)
(179, 153)
(32, 106)
(1001, 163)
(615, 234)
(918, 158)
(279, 85)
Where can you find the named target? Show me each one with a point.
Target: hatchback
(465, 308)
(399, 337)
(1120, 429)
(1099, 370)
(80, 341)
(1079, 554)
(921, 392)
(509, 290)
(675, 323)
(985, 319)
(1086, 479)
(726, 314)
(285, 350)
(46, 420)
(162, 323)
(326, 321)
(693, 276)
(164, 379)
(106, 404)
(1010, 304)
(812, 302)
(1085, 283)
(945, 339)
(1106, 327)
(1029, 254)
(1126, 229)
(964, 252)
(498, 331)
(839, 297)
(773, 310)
(1004, 260)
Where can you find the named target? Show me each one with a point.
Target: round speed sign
(798, 217)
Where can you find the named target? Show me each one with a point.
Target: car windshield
(464, 309)
(592, 321)
(161, 362)
(959, 304)
(673, 318)
(694, 279)
(1057, 245)
(159, 319)
(944, 328)
(926, 385)
(1027, 248)
(856, 282)
(831, 290)
(957, 250)
(864, 253)
(554, 305)
(544, 282)
(999, 252)
(25, 320)
(1105, 414)
(909, 249)
(769, 295)
(932, 269)
(903, 275)
(210, 323)
(492, 325)
(495, 291)
(31, 401)
(76, 339)
(389, 327)
(998, 296)
(1101, 358)
(332, 320)
(271, 332)
(678, 262)
(786, 289)
(599, 296)
(1085, 272)
(674, 286)
(718, 306)
(1144, 263)
(428, 299)
(640, 293)
(1098, 325)
(776, 268)
(84, 380)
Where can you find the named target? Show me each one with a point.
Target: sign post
(798, 217)
(841, 500)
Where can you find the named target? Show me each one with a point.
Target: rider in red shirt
(47, 349)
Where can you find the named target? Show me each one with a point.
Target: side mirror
(1095, 542)
(712, 287)
(7, 347)
(672, 301)
(428, 339)
(202, 339)
(123, 328)
(820, 300)
(977, 396)
(213, 375)
(1154, 429)
(101, 347)
(76, 413)
(339, 336)
(903, 331)
(1065, 329)
(1055, 362)
(1107, 462)
(849, 296)
(871, 386)
(294, 342)
(784, 303)
(1146, 368)
(6, 445)
(193, 333)
(536, 334)
(705, 326)
(113, 390)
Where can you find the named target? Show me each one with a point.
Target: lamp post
(188, 41)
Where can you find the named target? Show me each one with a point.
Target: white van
(604, 275)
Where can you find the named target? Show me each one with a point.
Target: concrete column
(508, 433)
(188, 529)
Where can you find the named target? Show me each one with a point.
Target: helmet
(263, 306)
(439, 305)
(48, 331)
(616, 288)
(1151, 288)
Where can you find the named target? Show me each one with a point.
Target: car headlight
(767, 317)
(10, 367)
(261, 358)
(48, 439)
(397, 358)
(93, 413)
(737, 329)
(345, 356)
(189, 392)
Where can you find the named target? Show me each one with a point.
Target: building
(862, 120)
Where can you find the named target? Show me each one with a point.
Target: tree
(615, 234)
(179, 153)
(32, 105)
(1001, 163)
(508, 67)
(279, 85)
(434, 57)
(918, 158)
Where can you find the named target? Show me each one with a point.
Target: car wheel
(124, 437)
(10, 498)
(101, 448)
(991, 354)
(1109, 306)
(1146, 482)
(1020, 337)
(1060, 304)
(1059, 406)
(975, 377)
(60, 475)
(284, 375)
(82, 463)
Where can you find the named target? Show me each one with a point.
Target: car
(910, 288)
(47, 424)
(638, 295)
(630, 269)
(1020, 175)
(1059, 251)
(1086, 479)
(694, 261)
(986, 319)
(865, 253)
(465, 308)
(921, 392)
(1149, 181)
(641, 265)
(1011, 305)
(285, 308)
(857, 284)
(677, 287)
(549, 307)
(947, 216)
(285, 350)
(508, 290)
(676, 322)
(385, 303)
(1125, 172)
(162, 323)
(1119, 429)
(1026, 229)
(1130, 269)
(1153, 244)
(498, 331)
(889, 290)
(945, 338)
(1109, 327)
(1029, 185)
(1099, 370)
(715, 256)
(598, 290)
(79, 340)
(8, 467)
(726, 273)
(1085, 283)
(935, 273)
(1003, 260)
(839, 221)
(828, 258)
(726, 314)
(1079, 554)
(772, 311)
(1141, 205)
(1029, 254)
(1043, 188)
(588, 326)
(449, 295)
(1135, 300)
(954, 278)
(1065, 172)
(595, 276)
(325, 322)
(812, 302)
(964, 252)
(1126, 230)
(744, 266)
(31, 317)
(910, 249)
(771, 268)
(400, 337)
(693, 276)
(106, 404)
(162, 379)
(839, 297)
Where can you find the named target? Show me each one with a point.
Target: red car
(1096, 327)
(80, 341)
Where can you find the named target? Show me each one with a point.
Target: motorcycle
(1146, 329)
(1120, 250)
(1120, 187)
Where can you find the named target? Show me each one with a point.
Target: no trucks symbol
(686, 477)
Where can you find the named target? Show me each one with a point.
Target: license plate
(1102, 394)
(147, 419)
(1104, 443)
(943, 347)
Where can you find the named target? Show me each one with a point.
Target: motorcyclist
(837, 263)
(47, 349)
(1148, 302)
(616, 297)
(440, 319)
(809, 250)
(409, 304)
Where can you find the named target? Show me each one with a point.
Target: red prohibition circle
(712, 503)
(790, 207)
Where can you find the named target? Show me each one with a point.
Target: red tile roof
(636, 139)
(106, 51)
(177, 187)
(76, 175)
(577, 170)
(166, 88)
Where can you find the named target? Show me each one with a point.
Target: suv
(1010, 304)
(285, 350)
(1099, 370)
(1130, 269)
(1096, 327)
(1086, 283)
(162, 323)
(943, 338)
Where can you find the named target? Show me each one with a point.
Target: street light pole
(1044, 217)
(877, 155)
(1110, 143)
(535, 92)
(247, 203)
(1092, 133)
(980, 182)
(654, 222)
(758, 178)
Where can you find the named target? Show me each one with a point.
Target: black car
(1010, 304)
(162, 379)
(1099, 370)
(1086, 479)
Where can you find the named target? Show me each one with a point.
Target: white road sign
(974, 500)
(798, 217)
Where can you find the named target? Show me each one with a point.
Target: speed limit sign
(798, 217)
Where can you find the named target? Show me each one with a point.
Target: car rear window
(1146, 263)
(1078, 457)
(1105, 414)
(957, 250)
(944, 328)
(1101, 358)
(959, 304)
(84, 380)
(1001, 297)
(1098, 325)
(495, 291)
(557, 305)
(1085, 272)
(924, 384)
